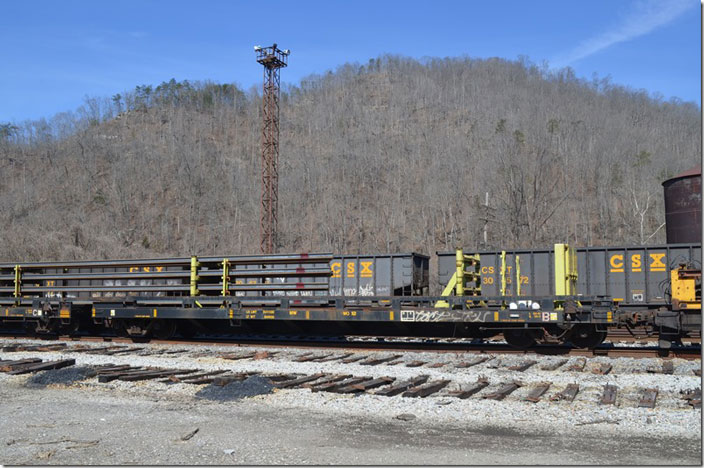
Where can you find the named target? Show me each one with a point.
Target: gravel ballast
(342, 428)
(250, 387)
(64, 376)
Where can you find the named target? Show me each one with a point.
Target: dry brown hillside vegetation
(394, 155)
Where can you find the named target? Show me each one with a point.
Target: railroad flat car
(556, 295)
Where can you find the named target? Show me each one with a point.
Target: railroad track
(639, 335)
(692, 351)
(362, 371)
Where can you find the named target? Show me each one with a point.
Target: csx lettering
(656, 263)
(335, 267)
(145, 269)
(488, 270)
(350, 269)
(635, 262)
(616, 262)
(366, 270)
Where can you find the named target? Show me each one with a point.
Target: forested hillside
(394, 155)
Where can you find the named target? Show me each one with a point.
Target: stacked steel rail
(299, 274)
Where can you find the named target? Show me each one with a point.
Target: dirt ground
(59, 425)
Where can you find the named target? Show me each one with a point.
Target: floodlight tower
(273, 59)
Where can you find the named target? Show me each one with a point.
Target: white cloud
(646, 16)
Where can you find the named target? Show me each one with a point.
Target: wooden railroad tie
(223, 380)
(111, 369)
(415, 363)
(494, 365)
(366, 385)
(192, 377)
(648, 398)
(522, 367)
(152, 374)
(327, 380)
(298, 381)
(208, 379)
(123, 351)
(335, 357)
(41, 366)
(473, 362)
(345, 386)
(352, 359)
(424, 390)
(578, 366)
(334, 386)
(101, 350)
(603, 369)
(609, 395)
(45, 347)
(7, 366)
(535, 394)
(395, 363)
(282, 377)
(568, 394)
(110, 375)
(437, 365)
(503, 391)
(377, 361)
(476, 387)
(667, 368)
(235, 356)
(554, 365)
(693, 397)
(312, 357)
(401, 387)
(323, 357)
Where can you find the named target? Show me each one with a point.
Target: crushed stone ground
(65, 376)
(57, 416)
(250, 387)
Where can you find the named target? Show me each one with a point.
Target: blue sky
(56, 52)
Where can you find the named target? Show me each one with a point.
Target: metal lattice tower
(273, 59)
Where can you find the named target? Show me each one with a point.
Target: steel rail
(186, 261)
(318, 342)
(172, 287)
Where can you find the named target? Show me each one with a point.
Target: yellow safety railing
(225, 277)
(462, 276)
(565, 270)
(18, 281)
(194, 275)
